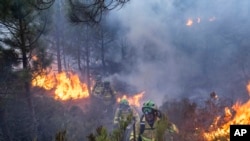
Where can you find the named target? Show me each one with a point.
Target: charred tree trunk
(58, 53)
(103, 53)
(88, 60)
(79, 57)
(58, 41)
(65, 63)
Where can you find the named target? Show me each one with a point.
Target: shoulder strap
(142, 125)
(142, 128)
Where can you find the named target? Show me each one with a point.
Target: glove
(173, 129)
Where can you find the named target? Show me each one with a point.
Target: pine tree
(25, 23)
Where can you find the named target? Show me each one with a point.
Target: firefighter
(108, 95)
(124, 113)
(153, 125)
(98, 87)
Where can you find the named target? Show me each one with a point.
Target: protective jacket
(155, 132)
(98, 89)
(108, 96)
(125, 115)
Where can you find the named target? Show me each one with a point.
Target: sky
(176, 60)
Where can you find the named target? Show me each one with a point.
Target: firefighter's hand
(174, 129)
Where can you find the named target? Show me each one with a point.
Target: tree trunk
(103, 53)
(26, 81)
(87, 60)
(58, 53)
(58, 47)
(79, 57)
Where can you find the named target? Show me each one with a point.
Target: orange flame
(189, 22)
(241, 117)
(134, 100)
(45, 81)
(248, 88)
(67, 85)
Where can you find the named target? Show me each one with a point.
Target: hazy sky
(174, 57)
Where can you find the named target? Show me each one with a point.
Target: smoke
(175, 60)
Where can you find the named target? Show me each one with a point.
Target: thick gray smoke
(188, 48)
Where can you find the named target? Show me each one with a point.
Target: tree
(25, 24)
(103, 39)
(91, 11)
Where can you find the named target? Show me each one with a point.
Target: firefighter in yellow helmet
(153, 125)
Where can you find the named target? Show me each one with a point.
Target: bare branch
(42, 4)
(92, 10)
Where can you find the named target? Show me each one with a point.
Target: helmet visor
(147, 110)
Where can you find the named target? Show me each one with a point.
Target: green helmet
(124, 102)
(149, 106)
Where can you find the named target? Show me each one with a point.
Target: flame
(134, 100)
(34, 58)
(228, 113)
(248, 88)
(197, 20)
(189, 22)
(45, 81)
(67, 85)
(241, 117)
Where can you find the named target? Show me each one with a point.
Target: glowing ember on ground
(67, 85)
(134, 100)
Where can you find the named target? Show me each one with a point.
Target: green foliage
(124, 123)
(117, 134)
(102, 134)
(8, 59)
